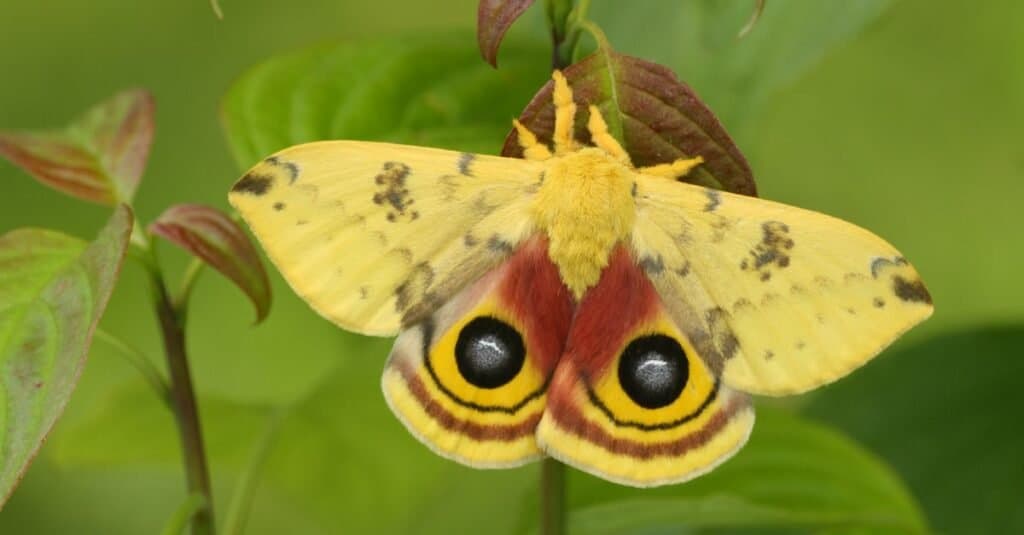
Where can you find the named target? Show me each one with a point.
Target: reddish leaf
(493, 19)
(212, 236)
(656, 117)
(99, 157)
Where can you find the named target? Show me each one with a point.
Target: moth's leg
(565, 112)
(674, 170)
(599, 133)
(532, 149)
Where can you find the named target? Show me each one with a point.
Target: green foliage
(952, 440)
(424, 90)
(53, 289)
(734, 75)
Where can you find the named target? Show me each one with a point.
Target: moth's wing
(781, 299)
(374, 235)
(470, 380)
(616, 412)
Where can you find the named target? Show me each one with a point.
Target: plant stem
(558, 22)
(184, 403)
(552, 497)
(564, 19)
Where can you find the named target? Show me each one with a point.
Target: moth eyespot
(653, 371)
(489, 352)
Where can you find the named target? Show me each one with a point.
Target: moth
(573, 305)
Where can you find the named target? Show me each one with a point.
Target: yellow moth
(571, 304)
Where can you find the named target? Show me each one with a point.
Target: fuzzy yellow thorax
(584, 206)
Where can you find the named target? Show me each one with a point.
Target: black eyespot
(489, 352)
(653, 370)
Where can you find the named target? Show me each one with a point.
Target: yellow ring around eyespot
(648, 436)
(442, 359)
(699, 384)
(474, 415)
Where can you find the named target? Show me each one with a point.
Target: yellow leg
(532, 149)
(674, 170)
(565, 113)
(599, 133)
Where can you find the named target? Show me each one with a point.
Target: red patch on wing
(536, 295)
(609, 312)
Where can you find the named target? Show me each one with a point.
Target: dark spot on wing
(772, 252)
(769, 298)
(278, 206)
(470, 240)
(652, 265)
(878, 264)
(301, 222)
(290, 167)
(254, 183)
(879, 302)
(769, 354)
(851, 311)
(910, 290)
(714, 199)
(415, 286)
(364, 292)
(393, 191)
(721, 334)
(683, 270)
(499, 245)
(465, 160)
(741, 304)
(632, 191)
(800, 345)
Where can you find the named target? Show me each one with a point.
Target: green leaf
(656, 117)
(792, 473)
(99, 157)
(53, 290)
(493, 19)
(698, 39)
(429, 90)
(945, 413)
(674, 515)
(212, 236)
(340, 460)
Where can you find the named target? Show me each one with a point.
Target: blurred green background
(908, 122)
